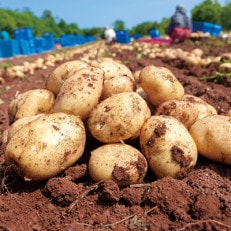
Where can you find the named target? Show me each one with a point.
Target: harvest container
(207, 27)
(23, 33)
(154, 33)
(122, 36)
(9, 48)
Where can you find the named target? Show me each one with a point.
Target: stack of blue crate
(9, 48)
(122, 36)
(49, 41)
(27, 34)
(213, 29)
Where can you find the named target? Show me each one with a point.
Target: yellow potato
(61, 73)
(212, 135)
(168, 147)
(46, 146)
(119, 162)
(14, 127)
(30, 103)
(187, 110)
(117, 78)
(118, 117)
(160, 84)
(81, 92)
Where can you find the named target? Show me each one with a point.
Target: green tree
(119, 25)
(207, 11)
(225, 17)
(7, 22)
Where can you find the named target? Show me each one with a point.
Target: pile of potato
(104, 101)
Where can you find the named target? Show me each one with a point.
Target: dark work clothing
(179, 20)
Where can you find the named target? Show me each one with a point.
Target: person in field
(180, 27)
(109, 35)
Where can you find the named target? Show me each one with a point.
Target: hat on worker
(181, 8)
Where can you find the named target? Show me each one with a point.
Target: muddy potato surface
(160, 84)
(61, 73)
(185, 110)
(118, 117)
(46, 146)
(30, 103)
(169, 148)
(212, 135)
(81, 92)
(119, 162)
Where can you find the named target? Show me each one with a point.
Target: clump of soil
(201, 200)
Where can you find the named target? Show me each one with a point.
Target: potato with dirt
(118, 118)
(188, 110)
(119, 162)
(212, 136)
(81, 92)
(160, 84)
(168, 146)
(61, 73)
(46, 146)
(31, 102)
(117, 78)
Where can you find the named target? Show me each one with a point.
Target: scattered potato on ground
(118, 118)
(46, 146)
(168, 146)
(212, 135)
(160, 84)
(119, 162)
(61, 73)
(81, 92)
(30, 103)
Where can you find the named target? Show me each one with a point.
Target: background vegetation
(207, 11)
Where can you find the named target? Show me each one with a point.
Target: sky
(100, 13)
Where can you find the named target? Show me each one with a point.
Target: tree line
(207, 11)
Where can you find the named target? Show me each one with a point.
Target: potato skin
(61, 73)
(81, 92)
(119, 162)
(118, 117)
(31, 102)
(168, 146)
(212, 136)
(46, 146)
(160, 84)
(187, 110)
(118, 78)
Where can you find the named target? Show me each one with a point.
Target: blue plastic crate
(205, 27)
(23, 33)
(9, 48)
(154, 33)
(122, 36)
(24, 47)
(49, 41)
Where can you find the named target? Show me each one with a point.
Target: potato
(46, 146)
(119, 162)
(160, 84)
(212, 136)
(118, 78)
(118, 117)
(61, 73)
(187, 110)
(81, 92)
(18, 124)
(168, 147)
(30, 103)
(117, 84)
